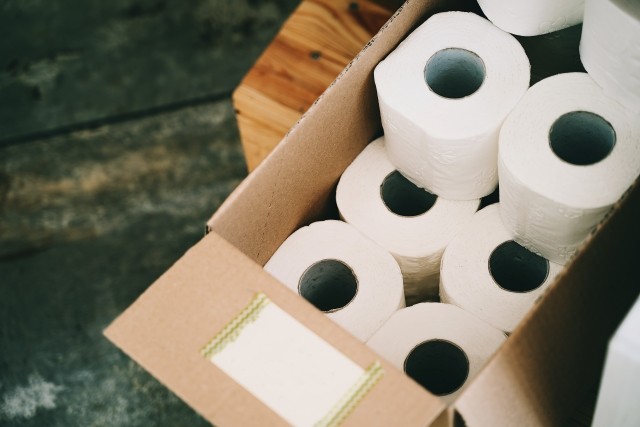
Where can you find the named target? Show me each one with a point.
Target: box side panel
(555, 356)
(294, 184)
(169, 324)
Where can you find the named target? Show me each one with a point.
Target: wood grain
(314, 45)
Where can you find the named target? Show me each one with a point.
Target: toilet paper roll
(440, 346)
(349, 277)
(411, 223)
(610, 48)
(567, 154)
(489, 275)
(443, 94)
(531, 18)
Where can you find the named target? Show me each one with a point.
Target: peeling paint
(25, 401)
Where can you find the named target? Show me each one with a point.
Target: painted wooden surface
(66, 63)
(91, 215)
(88, 220)
(313, 46)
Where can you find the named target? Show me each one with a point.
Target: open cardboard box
(536, 378)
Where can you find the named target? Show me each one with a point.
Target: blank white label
(289, 368)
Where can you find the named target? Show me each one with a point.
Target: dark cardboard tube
(329, 284)
(581, 138)
(454, 73)
(404, 198)
(440, 366)
(516, 269)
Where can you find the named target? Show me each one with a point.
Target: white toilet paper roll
(487, 274)
(567, 154)
(443, 94)
(610, 48)
(411, 223)
(531, 18)
(440, 346)
(349, 277)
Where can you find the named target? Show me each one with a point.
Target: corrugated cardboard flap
(167, 326)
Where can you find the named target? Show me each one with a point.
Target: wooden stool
(313, 46)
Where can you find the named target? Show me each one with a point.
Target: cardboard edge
(264, 164)
(469, 397)
(434, 6)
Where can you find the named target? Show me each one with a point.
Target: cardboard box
(537, 377)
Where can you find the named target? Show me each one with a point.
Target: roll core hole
(581, 138)
(454, 73)
(490, 199)
(328, 284)
(440, 366)
(516, 269)
(404, 198)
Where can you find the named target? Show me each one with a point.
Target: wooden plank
(87, 221)
(69, 63)
(313, 46)
(90, 183)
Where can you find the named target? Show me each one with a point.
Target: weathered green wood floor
(70, 62)
(117, 142)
